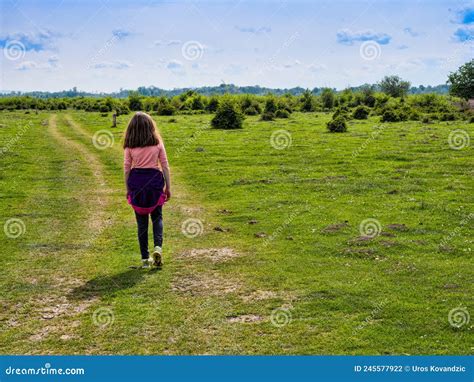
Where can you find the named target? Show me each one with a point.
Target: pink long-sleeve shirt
(145, 157)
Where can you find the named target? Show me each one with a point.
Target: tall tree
(394, 86)
(462, 81)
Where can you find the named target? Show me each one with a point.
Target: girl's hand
(168, 193)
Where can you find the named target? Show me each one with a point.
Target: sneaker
(145, 263)
(156, 256)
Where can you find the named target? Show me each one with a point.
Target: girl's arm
(166, 170)
(126, 173)
(127, 164)
(166, 173)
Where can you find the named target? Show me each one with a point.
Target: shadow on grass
(107, 285)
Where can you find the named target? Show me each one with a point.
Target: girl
(144, 154)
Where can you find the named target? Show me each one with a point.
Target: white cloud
(115, 64)
(51, 63)
(347, 37)
(174, 65)
(317, 67)
(167, 42)
(254, 30)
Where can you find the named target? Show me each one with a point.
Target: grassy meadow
(280, 238)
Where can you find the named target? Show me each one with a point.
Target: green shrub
(390, 115)
(471, 119)
(327, 98)
(213, 104)
(283, 105)
(342, 111)
(361, 112)
(281, 113)
(307, 101)
(104, 108)
(337, 125)
(121, 109)
(426, 119)
(370, 100)
(135, 101)
(447, 117)
(227, 116)
(403, 114)
(267, 116)
(166, 109)
(251, 110)
(270, 105)
(414, 115)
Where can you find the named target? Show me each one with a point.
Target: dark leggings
(142, 222)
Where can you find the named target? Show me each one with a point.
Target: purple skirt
(145, 186)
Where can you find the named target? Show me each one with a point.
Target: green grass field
(264, 252)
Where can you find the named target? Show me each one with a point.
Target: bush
(134, 101)
(337, 125)
(103, 108)
(342, 111)
(447, 117)
(281, 113)
(212, 105)
(426, 119)
(361, 112)
(283, 105)
(327, 98)
(166, 109)
(227, 116)
(390, 115)
(307, 101)
(471, 119)
(267, 116)
(270, 105)
(414, 115)
(251, 110)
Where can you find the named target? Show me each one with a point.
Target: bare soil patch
(214, 254)
(204, 284)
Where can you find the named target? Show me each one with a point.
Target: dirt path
(56, 314)
(96, 218)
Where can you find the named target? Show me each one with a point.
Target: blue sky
(105, 45)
